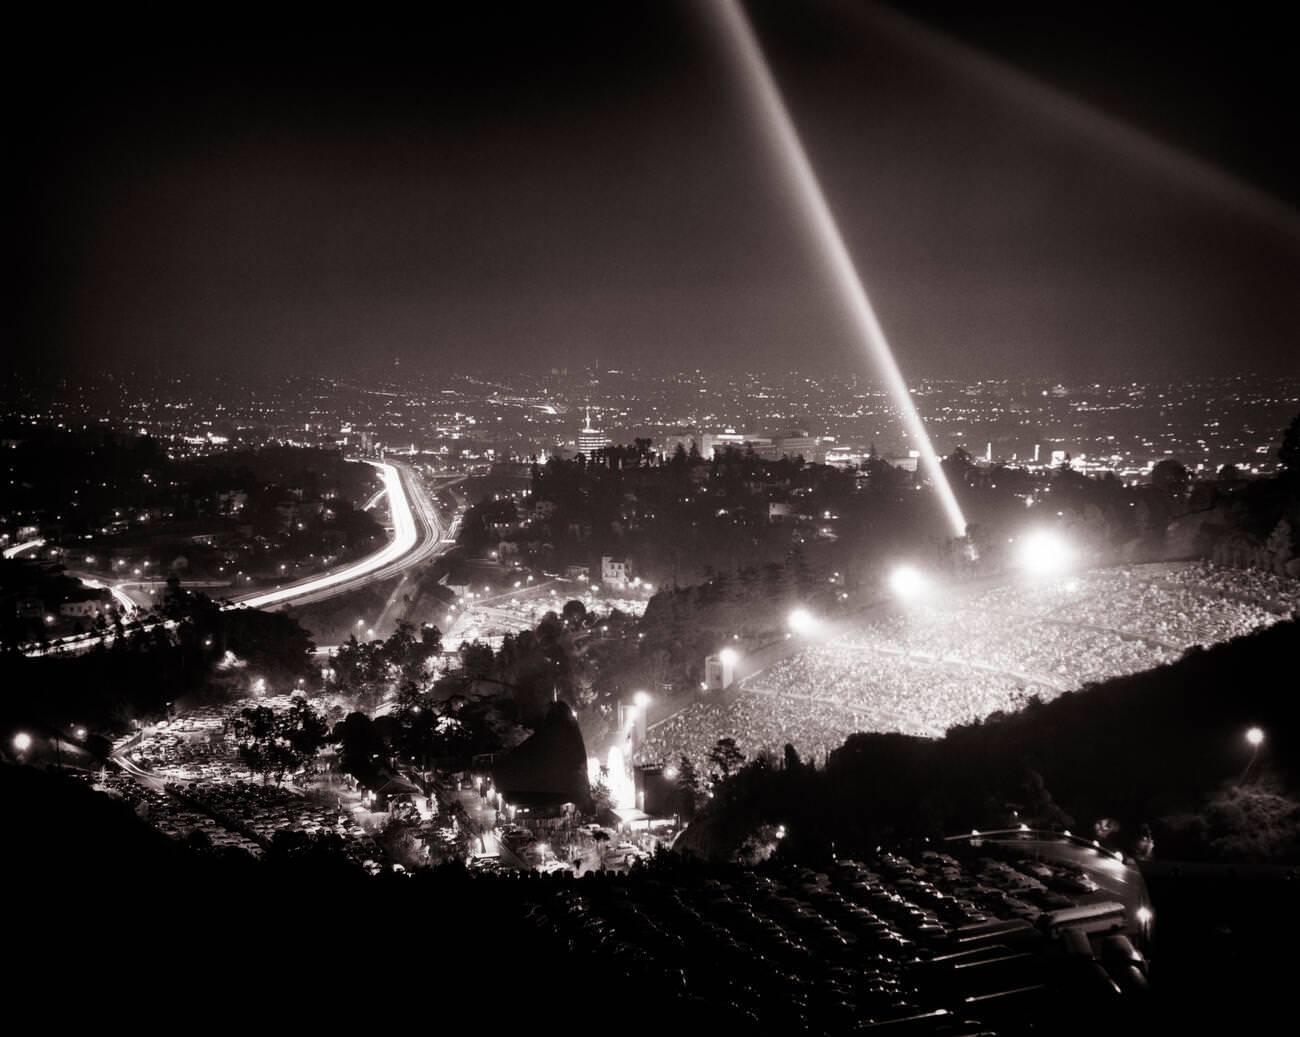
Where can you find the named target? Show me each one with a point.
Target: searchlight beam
(780, 129)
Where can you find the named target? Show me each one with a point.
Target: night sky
(1076, 194)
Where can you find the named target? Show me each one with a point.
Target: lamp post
(1254, 738)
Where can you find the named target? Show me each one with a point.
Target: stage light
(802, 622)
(1044, 553)
(907, 581)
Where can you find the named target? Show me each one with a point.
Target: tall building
(591, 439)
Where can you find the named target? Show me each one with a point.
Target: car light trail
(23, 548)
(124, 601)
(775, 118)
(405, 536)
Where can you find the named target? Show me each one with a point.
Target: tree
(574, 613)
(1288, 454)
(476, 659)
(688, 787)
(360, 745)
(304, 729)
(725, 758)
(277, 743)
(254, 729)
(600, 837)
(1170, 479)
(1039, 805)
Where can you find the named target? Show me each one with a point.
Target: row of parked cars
(821, 952)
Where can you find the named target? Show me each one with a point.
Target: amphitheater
(962, 656)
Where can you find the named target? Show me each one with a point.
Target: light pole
(1255, 738)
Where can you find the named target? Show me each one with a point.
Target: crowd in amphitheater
(945, 662)
(756, 722)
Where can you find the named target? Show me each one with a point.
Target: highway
(23, 548)
(124, 601)
(417, 536)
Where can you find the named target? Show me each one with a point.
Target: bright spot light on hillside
(907, 581)
(729, 656)
(801, 621)
(1044, 553)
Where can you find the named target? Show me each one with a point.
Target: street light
(1254, 738)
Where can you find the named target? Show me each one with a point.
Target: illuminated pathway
(780, 129)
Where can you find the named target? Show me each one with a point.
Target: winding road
(417, 537)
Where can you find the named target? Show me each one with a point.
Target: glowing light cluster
(907, 581)
(776, 121)
(1044, 553)
(622, 790)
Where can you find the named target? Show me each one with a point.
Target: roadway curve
(416, 538)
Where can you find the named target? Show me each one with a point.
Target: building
(83, 609)
(714, 443)
(791, 443)
(720, 670)
(591, 439)
(797, 443)
(614, 572)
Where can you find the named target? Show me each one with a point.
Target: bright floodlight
(1255, 736)
(22, 741)
(801, 621)
(729, 656)
(907, 581)
(1044, 553)
(641, 699)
